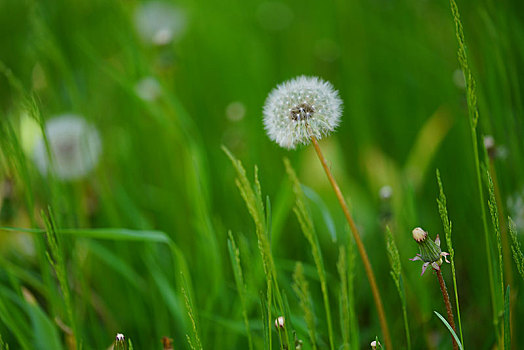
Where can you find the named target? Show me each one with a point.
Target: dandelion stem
(360, 246)
(445, 294)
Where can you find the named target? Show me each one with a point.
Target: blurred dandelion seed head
(300, 108)
(235, 111)
(148, 89)
(458, 79)
(74, 145)
(159, 23)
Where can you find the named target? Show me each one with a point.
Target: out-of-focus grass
(162, 169)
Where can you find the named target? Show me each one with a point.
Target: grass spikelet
(57, 262)
(301, 289)
(253, 200)
(306, 223)
(471, 97)
(515, 248)
(234, 254)
(492, 204)
(194, 339)
(446, 223)
(396, 274)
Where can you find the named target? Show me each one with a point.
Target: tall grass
(141, 243)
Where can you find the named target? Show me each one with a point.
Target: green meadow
(176, 221)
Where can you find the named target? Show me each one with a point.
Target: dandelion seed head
(74, 145)
(120, 337)
(300, 108)
(148, 89)
(159, 22)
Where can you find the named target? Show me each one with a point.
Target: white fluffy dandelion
(300, 108)
(74, 146)
(159, 22)
(148, 89)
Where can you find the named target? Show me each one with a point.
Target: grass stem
(360, 246)
(445, 294)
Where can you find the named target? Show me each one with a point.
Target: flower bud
(375, 344)
(419, 235)
(279, 322)
(429, 250)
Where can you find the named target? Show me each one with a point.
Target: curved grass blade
(449, 329)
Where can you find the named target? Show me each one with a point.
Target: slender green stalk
(344, 298)
(234, 254)
(443, 210)
(306, 223)
(194, 340)
(473, 120)
(396, 274)
(360, 246)
(496, 226)
(56, 260)
(301, 288)
(253, 199)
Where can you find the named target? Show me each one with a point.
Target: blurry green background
(394, 63)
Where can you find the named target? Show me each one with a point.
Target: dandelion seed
(159, 23)
(74, 145)
(430, 252)
(300, 108)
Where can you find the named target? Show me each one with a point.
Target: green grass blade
(396, 274)
(301, 288)
(473, 120)
(234, 254)
(507, 319)
(492, 204)
(443, 211)
(306, 224)
(449, 329)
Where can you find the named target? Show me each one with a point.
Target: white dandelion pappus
(74, 145)
(159, 22)
(300, 108)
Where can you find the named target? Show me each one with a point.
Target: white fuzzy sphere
(74, 145)
(299, 108)
(159, 22)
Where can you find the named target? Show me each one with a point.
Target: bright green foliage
(152, 218)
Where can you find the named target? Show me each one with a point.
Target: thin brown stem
(360, 246)
(445, 294)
